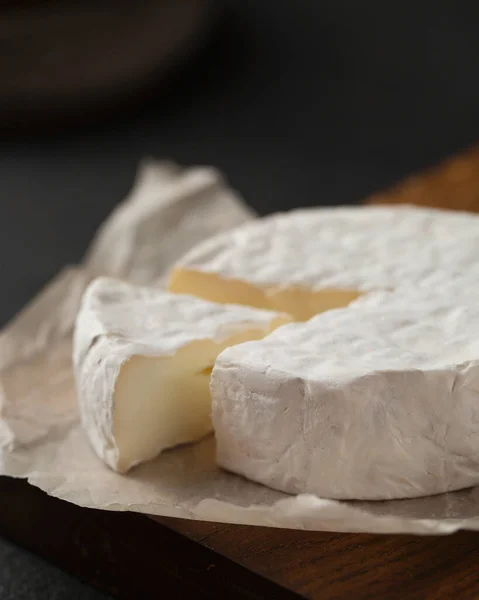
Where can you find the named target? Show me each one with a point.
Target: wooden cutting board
(453, 185)
(133, 556)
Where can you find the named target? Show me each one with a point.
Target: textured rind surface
(360, 248)
(379, 400)
(118, 320)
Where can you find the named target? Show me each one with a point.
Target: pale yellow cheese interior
(300, 302)
(161, 402)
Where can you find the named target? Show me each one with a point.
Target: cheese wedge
(379, 400)
(311, 260)
(143, 360)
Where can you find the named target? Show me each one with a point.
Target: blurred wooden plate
(60, 58)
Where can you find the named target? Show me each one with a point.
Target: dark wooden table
(134, 556)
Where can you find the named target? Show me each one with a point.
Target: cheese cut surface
(311, 260)
(143, 360)
(379, 400)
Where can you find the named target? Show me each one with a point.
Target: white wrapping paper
(168, 211)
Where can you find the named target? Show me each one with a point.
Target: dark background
(298, 103)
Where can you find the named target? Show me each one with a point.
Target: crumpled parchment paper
(168, 211)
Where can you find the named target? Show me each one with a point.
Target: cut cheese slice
(143, 360)
(311, 260)
(379, 400)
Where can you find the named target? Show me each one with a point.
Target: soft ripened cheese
(378, 400)
(310, 260)
(143, 360)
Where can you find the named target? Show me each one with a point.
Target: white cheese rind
(374, 401)
(353, 248)
(119, 329)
